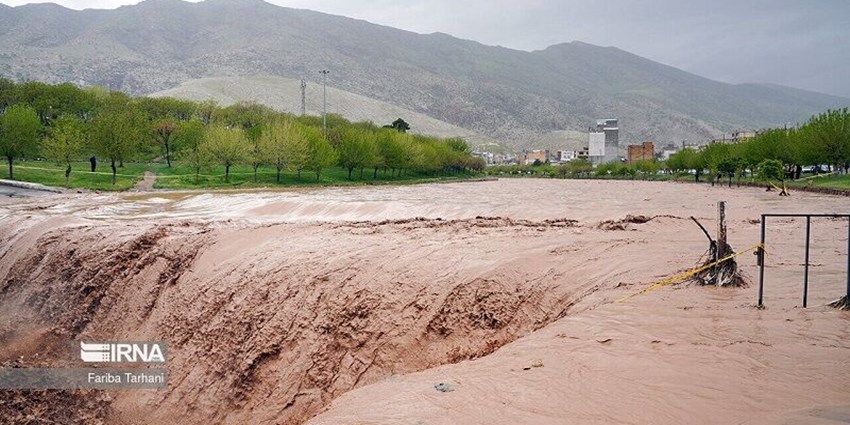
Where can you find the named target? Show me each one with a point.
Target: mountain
(510, 95)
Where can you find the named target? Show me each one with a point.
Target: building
(565, 156)
(603, 142)
(736, 137)
(642, 152)
(529, 157)
(667, 150)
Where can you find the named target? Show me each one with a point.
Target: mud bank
(276, 306)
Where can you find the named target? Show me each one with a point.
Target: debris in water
(444, 387)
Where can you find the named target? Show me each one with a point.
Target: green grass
(183, 177)
(832, 181)
(242, 176)
(51, 174)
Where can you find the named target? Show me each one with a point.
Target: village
(603, 145)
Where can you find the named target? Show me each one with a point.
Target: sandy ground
(348, 305)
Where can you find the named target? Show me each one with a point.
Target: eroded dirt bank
(274, 305)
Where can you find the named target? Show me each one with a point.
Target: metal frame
(760, 252)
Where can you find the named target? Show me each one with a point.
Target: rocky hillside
(513, 96)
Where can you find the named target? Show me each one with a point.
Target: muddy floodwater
(464, 303)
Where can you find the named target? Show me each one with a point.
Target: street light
(325, 73)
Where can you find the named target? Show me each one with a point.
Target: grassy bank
(836, 182)
(183, 177)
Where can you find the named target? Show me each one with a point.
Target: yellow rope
(689, 273)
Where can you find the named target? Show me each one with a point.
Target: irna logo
(122, 352)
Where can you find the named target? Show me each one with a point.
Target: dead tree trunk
(842, 303)
(719, 269)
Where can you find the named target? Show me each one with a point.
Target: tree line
(778, 154)
(65, 124)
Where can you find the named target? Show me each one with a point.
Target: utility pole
(303, 97)
(325, 73)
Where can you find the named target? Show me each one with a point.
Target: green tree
(64, 143)
(165, 133)
(390, 150)
(829, 133)
(192, 152)
(227, 146)
(298, 146)
(19, 128)
(118, 129)
(320, 154)
(356, 149)
(771, 169)
(399, 125)
(275, 144)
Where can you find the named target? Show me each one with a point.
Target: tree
(19, 128)
(255, 149)
(457, 144)
(399, 125)
(357, 149)
(118, 129)
(772, 169)
(227, 146)
(193, 153)
(390, 150)
(64, 143)
(320, 154)
(206, 110)
(164, 130)
(829, 132)
(274, 144)
(298, 146)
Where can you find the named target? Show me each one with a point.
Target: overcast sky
(798, 43)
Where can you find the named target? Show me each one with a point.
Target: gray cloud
(788, 42)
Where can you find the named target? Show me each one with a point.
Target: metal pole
(806, 267)
(761, 263)
(847, 300)
(325, 73)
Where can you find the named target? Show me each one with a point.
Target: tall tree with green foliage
(391, 151)
(165, 132)
(320, 154)
(192, 134)
(118, 130)
(228, 146)
(64, 143)
(19, 127)
(275, 144)
(357, 149)
(829, 133)
(298, 146)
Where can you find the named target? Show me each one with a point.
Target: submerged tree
(771, 169)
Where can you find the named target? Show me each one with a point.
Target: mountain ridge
(511, 95)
